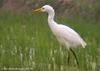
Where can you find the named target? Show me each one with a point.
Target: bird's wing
(66, 31)
(69, 34)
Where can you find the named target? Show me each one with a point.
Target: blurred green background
(27, 43)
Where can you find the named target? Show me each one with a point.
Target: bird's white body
(67, 36)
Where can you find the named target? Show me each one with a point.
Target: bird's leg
(74, 56)
(68, 56)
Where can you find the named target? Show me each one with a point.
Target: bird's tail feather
(84, 44)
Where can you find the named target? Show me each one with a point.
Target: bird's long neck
(51, 21)
(51, 16)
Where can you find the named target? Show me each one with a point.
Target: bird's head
(45, 8)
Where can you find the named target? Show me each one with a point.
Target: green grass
(27, 42)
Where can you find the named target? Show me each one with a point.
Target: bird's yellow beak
(37, 10)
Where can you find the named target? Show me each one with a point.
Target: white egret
(64, 34)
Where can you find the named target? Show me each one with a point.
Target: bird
(65, 35)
